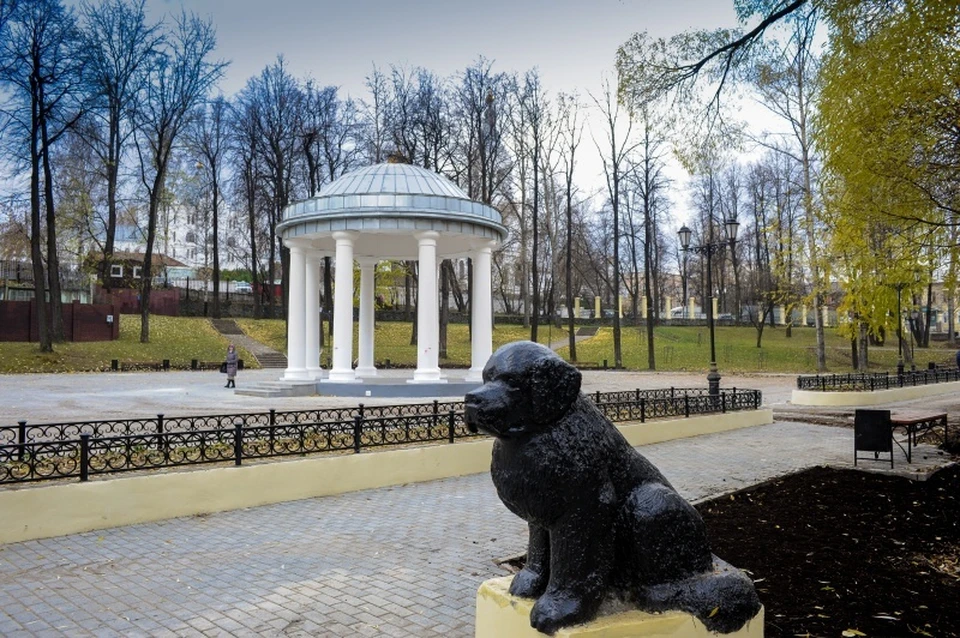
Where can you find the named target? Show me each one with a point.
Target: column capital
(345, 235)
(485, 247)
(296, 244)
(426, 236)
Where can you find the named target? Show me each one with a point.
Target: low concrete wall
(877, 397)
(67, 508)
(500, 615)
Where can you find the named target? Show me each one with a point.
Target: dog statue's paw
(528, 584)
(555, 610)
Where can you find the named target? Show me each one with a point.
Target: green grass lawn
(392, 339)
(677, 348)
(178, 339)
(688, 348)
(181, 339)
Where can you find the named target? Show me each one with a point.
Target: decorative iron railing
(82, 449)
(858, 382)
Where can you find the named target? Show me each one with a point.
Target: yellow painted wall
(877, 397)
(66, 508)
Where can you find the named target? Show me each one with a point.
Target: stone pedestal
(500, 615)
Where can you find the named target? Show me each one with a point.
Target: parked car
(243, 287)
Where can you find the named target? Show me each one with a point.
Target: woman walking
(232, 362)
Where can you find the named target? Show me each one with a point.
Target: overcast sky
(337, 42)
(572, 42)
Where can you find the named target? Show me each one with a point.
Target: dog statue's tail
(723, 599)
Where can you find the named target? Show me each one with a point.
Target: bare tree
(619, 144)
(207, 138)
(244, 139)
(180, 77)
(572, 133)
(41, 69)
(279, 116)
(651, 181)
(118, 44)
(534, 103)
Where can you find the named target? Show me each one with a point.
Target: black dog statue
(603, 521)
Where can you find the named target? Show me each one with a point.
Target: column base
(296, 374)
(500, 615)
(341, 376)
(474, 375)
(427, 376)
(315, 373)
(365, 372)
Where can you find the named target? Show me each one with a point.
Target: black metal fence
(46, 451)
(877, 380)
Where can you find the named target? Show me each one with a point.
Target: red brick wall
(162, 302)
(81, 322)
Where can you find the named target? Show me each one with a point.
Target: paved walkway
(105, 395)
(402, 561)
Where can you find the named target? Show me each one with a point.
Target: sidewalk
(400, 561)
(403, 561)
(114, 395)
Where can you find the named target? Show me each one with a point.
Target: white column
(481, 341)
(428, 312)
(312, 318)
(296, 336)
(342, 369)
(365, 367)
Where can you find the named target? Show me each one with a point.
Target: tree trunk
(36, 254)
(147, 270)
(445, 270)
(216, 245)
(53, 260)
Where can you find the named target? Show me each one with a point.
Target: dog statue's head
(526, 388)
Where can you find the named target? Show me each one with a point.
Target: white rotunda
(384, 212)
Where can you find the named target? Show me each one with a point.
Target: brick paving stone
(400, 561)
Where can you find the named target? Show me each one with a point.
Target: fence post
(114, 364)
(436, 414)
(160, 432)
(597, 400)
(84, 457)
(357, 428)
(237, 442)
(637, 394)
(643, 409)
(166, 365)
(21, 440)
(193, 364)
(450, 425)
(723, 403)
(686, 405)
(671, 392)
(273, 422)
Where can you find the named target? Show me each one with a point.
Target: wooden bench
(915, 423)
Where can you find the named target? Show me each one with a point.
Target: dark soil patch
(838, 550)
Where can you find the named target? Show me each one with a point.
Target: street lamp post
(899, 287)
(731, 226)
